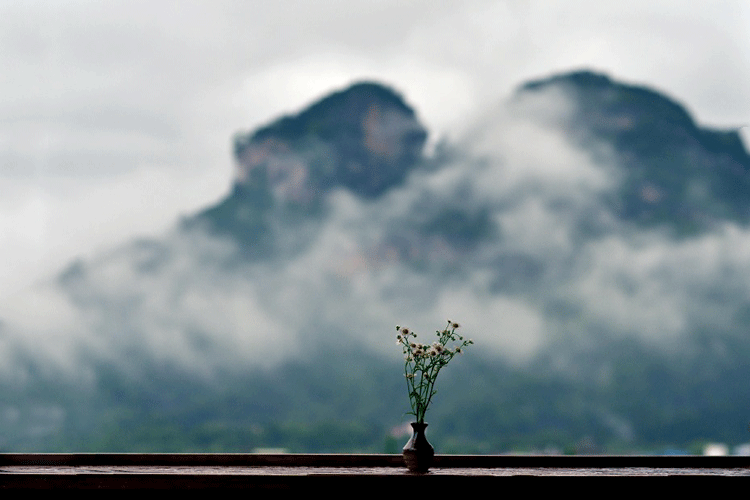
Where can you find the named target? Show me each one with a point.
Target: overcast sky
(116, 116)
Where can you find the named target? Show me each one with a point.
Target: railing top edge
(370, 460)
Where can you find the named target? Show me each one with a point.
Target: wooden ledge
(305, 471)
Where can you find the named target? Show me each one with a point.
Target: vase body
(418, 453)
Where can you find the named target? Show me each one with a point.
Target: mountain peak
(593, 90)
(579, 78)
(364, 138)
(348, 105)
(674, 170)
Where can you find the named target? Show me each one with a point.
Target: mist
(552, 266)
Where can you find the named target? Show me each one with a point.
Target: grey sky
(116, 116)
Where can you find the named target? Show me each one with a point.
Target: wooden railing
(308, 472)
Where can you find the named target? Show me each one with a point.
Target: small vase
(418, 453)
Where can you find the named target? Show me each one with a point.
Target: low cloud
(551, 262)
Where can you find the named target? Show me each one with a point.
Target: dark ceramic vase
(418, 453)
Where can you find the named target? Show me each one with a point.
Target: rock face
(674, 172)
(364, 139)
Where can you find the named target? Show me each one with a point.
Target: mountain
(588, 234)
(365, 139)
(674, 172)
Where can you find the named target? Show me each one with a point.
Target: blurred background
(213, 215)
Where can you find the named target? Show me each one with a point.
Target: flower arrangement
(423, 362)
